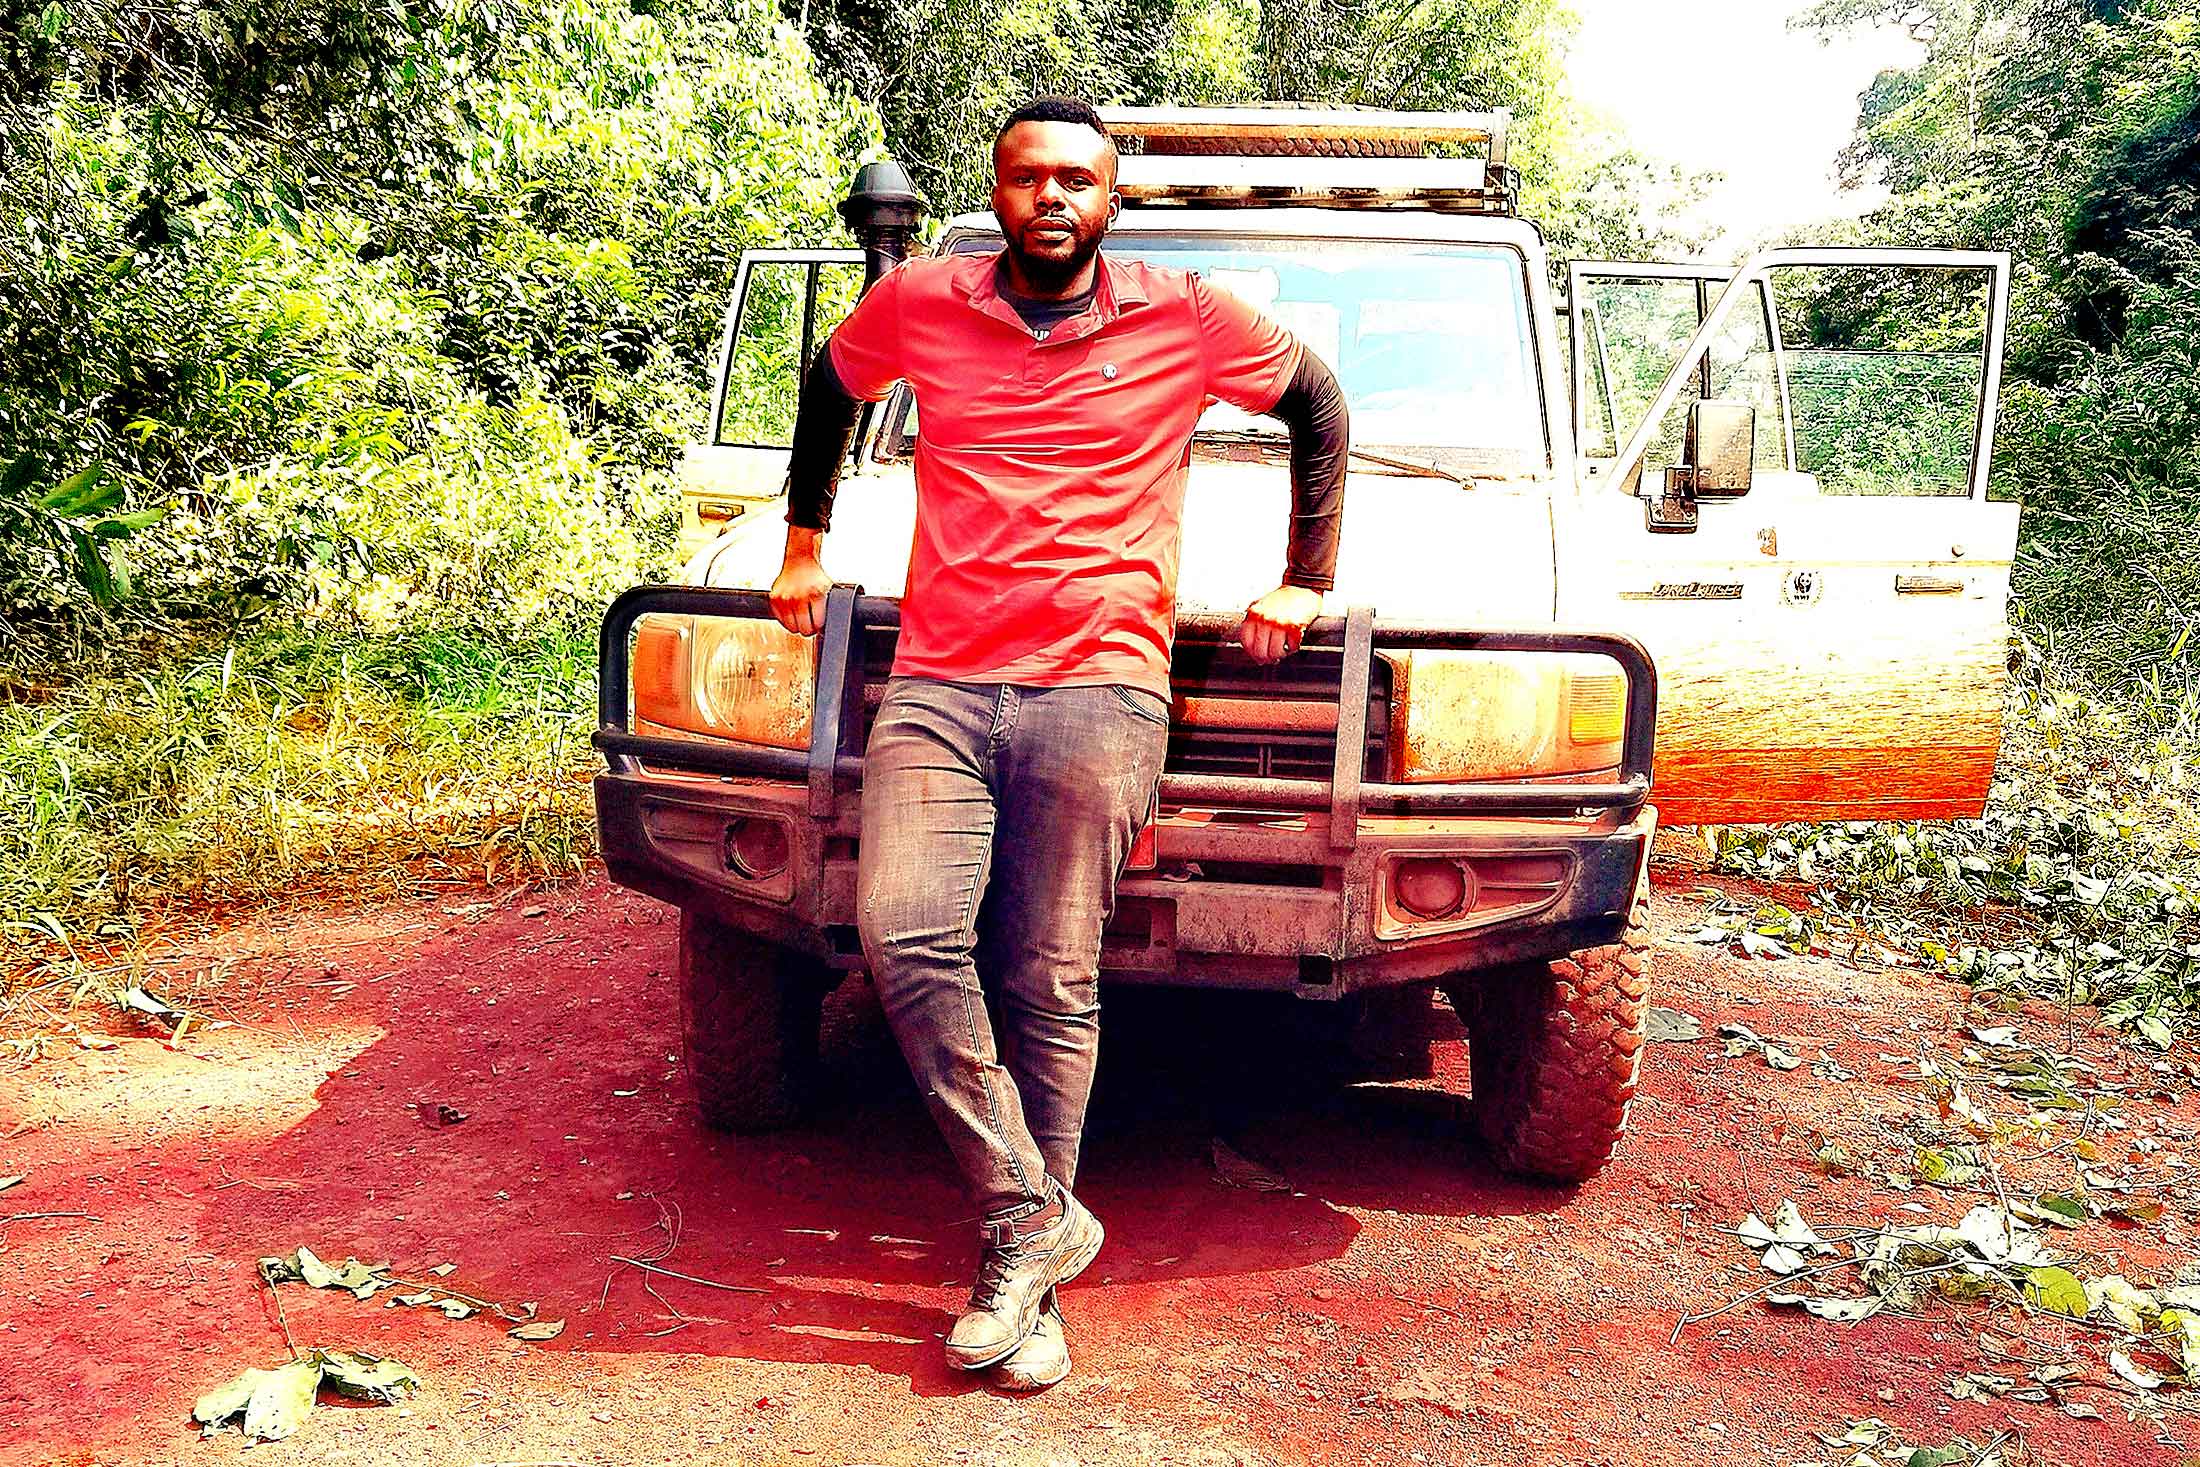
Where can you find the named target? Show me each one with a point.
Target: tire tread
(1556, 1054)
(749, 1016)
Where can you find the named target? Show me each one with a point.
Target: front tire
(749, 1014)
(1555, 1050)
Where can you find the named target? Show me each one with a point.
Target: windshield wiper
(1412, 466)
(1278, 441)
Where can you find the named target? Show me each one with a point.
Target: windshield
(1430, 341)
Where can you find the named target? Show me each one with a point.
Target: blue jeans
(996, 820)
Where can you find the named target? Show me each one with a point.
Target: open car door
(1783, 495)
(785, 304)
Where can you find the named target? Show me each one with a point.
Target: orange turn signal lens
(1596, 707)
(660, 664)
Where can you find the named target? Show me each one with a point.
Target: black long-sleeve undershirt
(1312, 407)
(825, 418)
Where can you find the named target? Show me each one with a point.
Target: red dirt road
(1403, 1303)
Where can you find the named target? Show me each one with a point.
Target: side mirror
(1722, 445)
(1717, 458)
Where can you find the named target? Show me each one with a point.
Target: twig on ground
(439, 1287)
(282, 1320)
(2015, 1359)
(1948, 1266)
(670, 1220)
(688, 1277)
(257, 1184)
(16, 1217)
(684, 1321)
(1740, 1299)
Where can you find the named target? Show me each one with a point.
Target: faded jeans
(996, 820)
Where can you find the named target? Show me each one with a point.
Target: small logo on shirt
(1108, 372)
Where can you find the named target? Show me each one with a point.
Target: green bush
(2106, 457)
(327, 426)
(435, 371)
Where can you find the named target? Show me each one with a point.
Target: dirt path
(1402, 1303)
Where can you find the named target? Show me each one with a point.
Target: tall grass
(281, 764)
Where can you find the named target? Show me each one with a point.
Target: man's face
(1054, 193)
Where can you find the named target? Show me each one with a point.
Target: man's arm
(1313, 407)
(860, 363)
(824, 426)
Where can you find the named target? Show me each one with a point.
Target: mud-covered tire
(749, 1015)
(1555, 1049)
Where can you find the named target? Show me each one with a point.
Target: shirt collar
(1116, 290)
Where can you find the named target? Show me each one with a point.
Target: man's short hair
(1054, 109)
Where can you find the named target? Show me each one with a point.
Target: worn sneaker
(1042, 1359)
(1015, 1271)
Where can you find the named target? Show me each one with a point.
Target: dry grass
(286, 764)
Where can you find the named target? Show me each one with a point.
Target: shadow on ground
(842, 1241)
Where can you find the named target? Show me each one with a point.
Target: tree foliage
(944, 72)
(2019, 114)
(387, 310)
(395, 308)
(2136, 221)
(2067, 131)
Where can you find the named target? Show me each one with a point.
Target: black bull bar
(832, 757)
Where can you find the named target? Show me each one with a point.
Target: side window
(1593, 384)
(1633, 327)
(789, 303)
(1743, 365)
(1886, 366)
(1639, 326)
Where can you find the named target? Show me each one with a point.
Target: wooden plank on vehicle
(1147, 174)
(1328, 123)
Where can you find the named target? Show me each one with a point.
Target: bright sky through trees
(1725, 86)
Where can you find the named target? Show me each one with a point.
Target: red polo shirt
(1050, 474)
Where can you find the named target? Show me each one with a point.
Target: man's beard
(1049, 274)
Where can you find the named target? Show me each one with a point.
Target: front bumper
(1261, 883)
(1237, 899)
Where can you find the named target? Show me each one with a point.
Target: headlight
(725, 677)
(1506, 715)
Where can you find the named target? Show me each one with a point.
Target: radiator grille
(1204, 672)
(1211, 671)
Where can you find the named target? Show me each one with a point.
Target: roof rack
(1318, 157)
(1303, 133)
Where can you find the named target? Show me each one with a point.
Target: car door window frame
(1580, 272)
(1758, 268)
(729, 339)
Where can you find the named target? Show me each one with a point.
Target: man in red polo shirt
(1019, 745)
